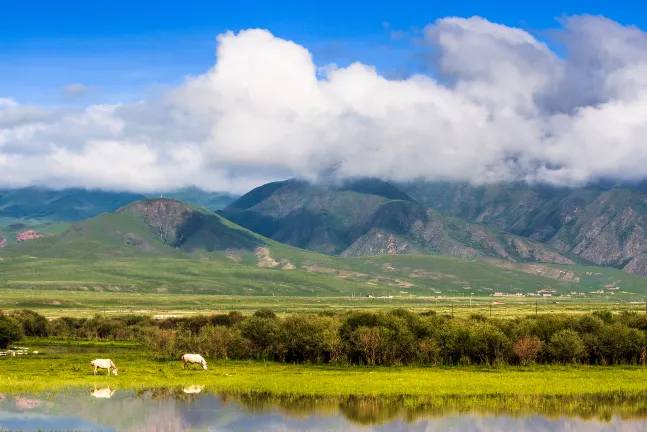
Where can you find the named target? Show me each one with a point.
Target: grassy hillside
(311, 275)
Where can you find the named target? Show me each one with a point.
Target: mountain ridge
(599, 224)
(367, 217)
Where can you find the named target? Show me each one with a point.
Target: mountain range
(167, 246)
(518, 224)
(598, 224)
(372, 217)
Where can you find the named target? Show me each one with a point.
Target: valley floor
(57, 303)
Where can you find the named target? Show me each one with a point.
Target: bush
(396, 337)
(161, 344)
(263, 335)
(32, 323)
(527, 350)
(264, 313)
(10, 331)
(566, 346)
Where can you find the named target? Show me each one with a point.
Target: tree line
(395, 337)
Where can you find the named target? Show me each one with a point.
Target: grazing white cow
(195, 359)
(102, 393)
(104, 364)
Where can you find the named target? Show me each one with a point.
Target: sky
(227, 95)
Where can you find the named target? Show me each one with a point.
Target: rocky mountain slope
(371, 217)
(600, 224)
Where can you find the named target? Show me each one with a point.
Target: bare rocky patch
(231, 255)
(264, 258)
(28, 235)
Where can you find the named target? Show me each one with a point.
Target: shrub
(32, 323)
(488, 344)
(566, 346)
(368, 341)
(395, 337)
(264, 313)
(215, 341)
(263, 335)
(10, 331)
(527, 349)
(161, 344)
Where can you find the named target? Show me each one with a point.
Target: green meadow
(136, 371)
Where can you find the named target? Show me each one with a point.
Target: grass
(56, 303)
(137, 371)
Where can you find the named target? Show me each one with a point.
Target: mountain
(195, 196)
(47, 205)
(166, 246)
(149, 227)
(372, 217)
(47, 211)
(600, 224)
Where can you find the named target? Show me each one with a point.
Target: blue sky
(123, 49)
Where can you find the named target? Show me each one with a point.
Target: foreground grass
(137, 371)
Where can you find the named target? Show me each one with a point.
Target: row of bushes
(375, 338)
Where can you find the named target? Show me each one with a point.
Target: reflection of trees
(173, 409)
(370, 410)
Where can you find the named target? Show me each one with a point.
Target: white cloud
(504, 107)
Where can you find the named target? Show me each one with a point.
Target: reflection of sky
(126, 412)
(34, 421)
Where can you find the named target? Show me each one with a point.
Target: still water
(193, 408)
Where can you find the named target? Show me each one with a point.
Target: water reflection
(193, 389)
(194, 407)
(104, 393)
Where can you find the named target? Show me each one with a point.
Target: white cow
(195, 359)
(104, 364)
(102, 393)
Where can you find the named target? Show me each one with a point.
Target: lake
(192, 408)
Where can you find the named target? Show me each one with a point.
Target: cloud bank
(502, 106)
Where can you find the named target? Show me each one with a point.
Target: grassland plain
(308, 275)
(137, 371)
(57, 303)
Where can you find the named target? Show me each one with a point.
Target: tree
(527, 349)
(10, 331)
(566, 346)
(369, 340)
(33, 324)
